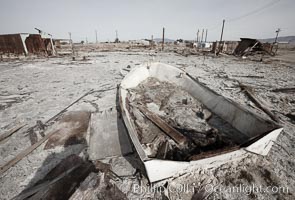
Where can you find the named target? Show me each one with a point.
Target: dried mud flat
(32, 91)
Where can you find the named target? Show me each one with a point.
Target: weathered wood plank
(169, 130)
(11, 131)
(24, 153)
(256, 101)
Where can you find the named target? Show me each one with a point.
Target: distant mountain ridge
(290, 39)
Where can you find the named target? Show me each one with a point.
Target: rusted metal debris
(11, 43)
(35, 44)
(26, 44)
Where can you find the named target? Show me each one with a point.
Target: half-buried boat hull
(261, 131)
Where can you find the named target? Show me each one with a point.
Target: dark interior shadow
(77, 168)
(59, 175)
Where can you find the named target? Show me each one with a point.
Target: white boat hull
(254, 126)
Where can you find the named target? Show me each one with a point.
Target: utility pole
(72, 46)
(117, 37)
(206, 35)
(222, 30)
(277, 31)
(163, 38)
(202, 35)
(96, 36)
(198, 36)
(152, 41)
(220, 46)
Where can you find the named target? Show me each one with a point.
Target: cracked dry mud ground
(37, 89)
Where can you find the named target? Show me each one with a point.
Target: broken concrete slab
(122, 167)
(107, 130)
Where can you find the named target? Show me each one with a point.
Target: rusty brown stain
(11, 43)
(71, 129)
(35, 44)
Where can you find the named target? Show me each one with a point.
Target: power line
(254, 11)
(247, 14)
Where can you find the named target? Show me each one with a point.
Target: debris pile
(175, 126)
(248, 46)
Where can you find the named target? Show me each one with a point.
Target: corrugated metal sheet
(35, 44)
(225, 46)
(246, 43)
(11, 43)
(25, 44)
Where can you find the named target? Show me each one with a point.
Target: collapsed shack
(205, 134)
(227, 47)
(12, 43)
(26, 44)
(248, 46)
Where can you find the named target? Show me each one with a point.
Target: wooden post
(117, 37)
(96, 36)
(72, 46)
(198, 36)
(163, 39)
(202, 35)
(206, 35)
(277, 31)
(220, 46)
(152, 41)
(222, 30)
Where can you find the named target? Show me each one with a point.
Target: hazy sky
(137, 19)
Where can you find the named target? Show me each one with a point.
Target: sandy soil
(34, 89)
